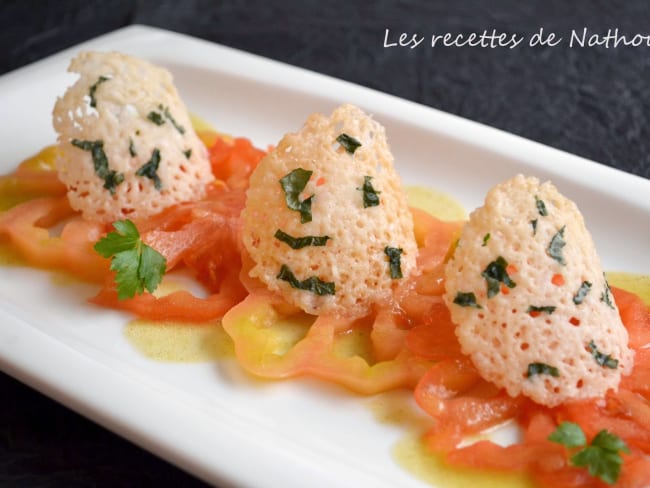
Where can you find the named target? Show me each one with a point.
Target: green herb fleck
(394, 263)
(370, 195)
(606, 296)
(605, 360)
(93, 89)
(293, 184)
(466, 300)
(311, 284)
(555, 247)
(349, 143)
(100, 162)
(534, 224)
(601, 458)
(486, 238)
(188, 153)
(156, 118)
(150, 169)
(541, 207)
(169, 117)
(300, 242)
(549, 309)
(541, 368)
(496, 273)
(132, 150)
(137, 266)
(568, 434)
(580, 295)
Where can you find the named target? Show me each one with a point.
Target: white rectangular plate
(211, 419)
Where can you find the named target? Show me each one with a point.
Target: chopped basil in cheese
(100, 162)
(466, 299)
(556, 245)
(370, 195)
(150, 169)
(293, 184)
(394, 264)
(312, 284)
(349, 143)
(541, 368)
(300, 242)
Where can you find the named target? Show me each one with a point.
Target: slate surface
(592, 101)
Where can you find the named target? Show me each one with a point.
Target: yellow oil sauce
(180, 342)
(173, 341)
(437, 203)
(398, 408)
(635, 283)
(12, 192)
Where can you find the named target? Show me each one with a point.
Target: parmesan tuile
(127, 148)
(531, 303)
(355, 198)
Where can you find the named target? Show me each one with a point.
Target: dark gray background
(594, 102)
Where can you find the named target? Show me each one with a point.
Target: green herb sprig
(137, 265)
(601, 457)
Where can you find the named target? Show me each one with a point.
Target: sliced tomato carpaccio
(272, 345)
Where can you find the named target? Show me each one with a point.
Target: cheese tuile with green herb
(535, 325)
(126, 144)
(307, 224)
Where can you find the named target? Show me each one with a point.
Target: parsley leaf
(394, 261)
(555, 247)
(370, 195)
(150, 169)
(137, 265)
(100, 162)
(312, 284)
(93, 89)
(568, 434)
(541, 368)
(293, 184)
(580, 295)
(466, 299)
(601, 458)
(349, 143)
(496, 273)
(300, 242)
